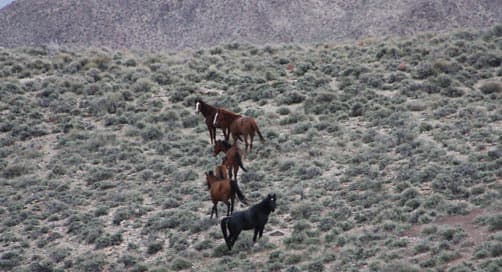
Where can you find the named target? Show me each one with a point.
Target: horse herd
(222, 184)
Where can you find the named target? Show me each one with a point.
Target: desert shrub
(169, 220)
(151, 133)
(302, 68)
(452, 92)
(205, 244)
(416, 106)
(89, 262)
(99, 174)
(108, 240)
(495, 222)
(423, 71)
(180, 264)
(10, 259)
(292, 98)
(305, 210)
(128, 260)
(315, 266)
(124, 213)
(484, 60)
(42, 266)
(372, 80)
(15, 170)
(308, 172)
(154, 246)
(356, 110)
(283, 111)
(59, 254)
(400, 266)
(491, 87)
(461, 268)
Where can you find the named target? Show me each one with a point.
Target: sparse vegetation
(371, 149)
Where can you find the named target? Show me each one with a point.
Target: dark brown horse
(232, 159)
(208, 112)
(223, 190)
(238, 125)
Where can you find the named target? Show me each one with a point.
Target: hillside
(175, 25)
(385, 156)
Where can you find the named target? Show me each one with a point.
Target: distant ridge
(175, 25)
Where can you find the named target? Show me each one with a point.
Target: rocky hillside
(385, 156)
(174, 24)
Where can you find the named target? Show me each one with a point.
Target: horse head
(198, 103)
(270, 201)
(209, 177)
(218, 147)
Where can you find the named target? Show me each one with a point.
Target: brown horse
(208, 112)
(223, 190)
(221, 171)
(232, 159)
(238, 125)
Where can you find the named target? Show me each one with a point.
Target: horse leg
(233, 237)
(256, 230)
(212, 211)
(246, 142)
(228, 207)
(213, 132)
(209, 128)
(251, 142)
(230, 172)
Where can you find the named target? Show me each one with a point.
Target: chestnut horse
(238, 125)
(232, 159)
(208, 112)
(223, 190)
(221, 171)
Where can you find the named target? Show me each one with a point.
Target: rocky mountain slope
(175, 24)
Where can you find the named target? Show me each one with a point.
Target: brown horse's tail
(235, 189)
(224, 226)
(258, 130)
(239, 161)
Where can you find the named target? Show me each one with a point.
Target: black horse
(253, 218)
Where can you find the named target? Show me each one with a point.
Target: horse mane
(232, 114)
(204, 104)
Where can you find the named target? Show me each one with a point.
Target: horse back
(221, 190)
(244, 125)
(248, 219)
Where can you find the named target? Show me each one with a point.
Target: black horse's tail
(240, 195)
(224, 226)
(239, 161)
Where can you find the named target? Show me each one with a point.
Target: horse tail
(235, 188)
(239, 162)
(258, 131)
(224, 226)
